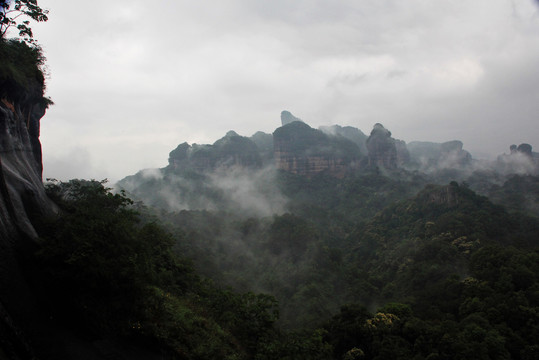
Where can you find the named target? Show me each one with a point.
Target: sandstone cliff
(22, 196)
(382, 149)
(302, 150)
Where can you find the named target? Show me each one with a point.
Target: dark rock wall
(23, 195)
(382, 148)
(302, 150)
(22, 199)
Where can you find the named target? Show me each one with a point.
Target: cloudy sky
(133, 79)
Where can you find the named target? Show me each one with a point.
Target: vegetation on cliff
(22, 79)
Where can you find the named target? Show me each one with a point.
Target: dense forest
(364, 267)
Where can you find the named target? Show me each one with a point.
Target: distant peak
(287, 118)
(379, 130)
(231, 133)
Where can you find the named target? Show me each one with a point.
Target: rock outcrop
(436, 156)
(520, 160)
(264, 143)
(302, 150)
(351, 133)
(287, 118)
(21, 186)
(335, 150)
(22, 195)
(231, 150)
(382, 149)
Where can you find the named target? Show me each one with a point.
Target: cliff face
(382, 148)
(22, 195)
(334, 150)
(302, 150)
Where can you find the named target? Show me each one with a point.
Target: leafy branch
(11, 11)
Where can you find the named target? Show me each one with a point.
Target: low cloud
(251, 192)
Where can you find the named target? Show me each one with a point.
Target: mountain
(351, 133)
(520, 160)
(287, 118)
(384, 151)
(264, 142)
(300, 149)
(429, 155)
(231, 150)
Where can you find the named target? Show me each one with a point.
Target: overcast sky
(133, 79)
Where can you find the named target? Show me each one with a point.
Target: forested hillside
(381, 271)
(375, 262)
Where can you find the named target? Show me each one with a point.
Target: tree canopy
(11, 13)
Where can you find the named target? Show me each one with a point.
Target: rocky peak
(287, 117)
(231, 133)
(525, 149)
(351, 133)
(230, 150)
(381, 147)
(180, 154)
(300, 149)
(512, 149)
(521, 160)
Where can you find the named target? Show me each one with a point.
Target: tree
(11, 11)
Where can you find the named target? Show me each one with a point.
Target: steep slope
(300, 149)
(384, 151)
(22, 196)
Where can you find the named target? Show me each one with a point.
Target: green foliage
(97, 251)
(108, 274)
(457, 275)
(520, 193)
(21, 73)
(11, 11)
(291, 234)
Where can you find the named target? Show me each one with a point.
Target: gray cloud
(131, 81)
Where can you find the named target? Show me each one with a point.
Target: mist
(242, 191)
